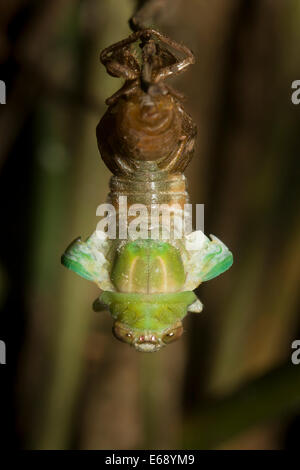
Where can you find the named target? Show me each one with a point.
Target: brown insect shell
(140, 128)
(148, 128)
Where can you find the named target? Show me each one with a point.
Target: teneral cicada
(147, 139)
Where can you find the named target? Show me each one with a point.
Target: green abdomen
(148, 267)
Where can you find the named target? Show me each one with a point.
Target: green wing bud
(207, 259)
(88, 259)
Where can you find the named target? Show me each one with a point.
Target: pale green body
(144, 312)
(148, 267)
(148, 284)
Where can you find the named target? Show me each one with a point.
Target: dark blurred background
(229, 383)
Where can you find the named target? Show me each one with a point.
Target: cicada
(147, 139)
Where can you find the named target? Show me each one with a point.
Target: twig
(145, 12)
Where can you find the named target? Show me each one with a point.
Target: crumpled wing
(206, 258)
(88, 259)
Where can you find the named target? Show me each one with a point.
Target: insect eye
(172, 335)
(122, 333)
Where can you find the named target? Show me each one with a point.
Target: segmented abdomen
(148, 267)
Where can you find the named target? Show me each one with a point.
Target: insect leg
(179, 66)
(127, 89)
(99, 306)
(177, 94)
(119, 60)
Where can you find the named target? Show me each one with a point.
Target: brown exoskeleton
(145, 121)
